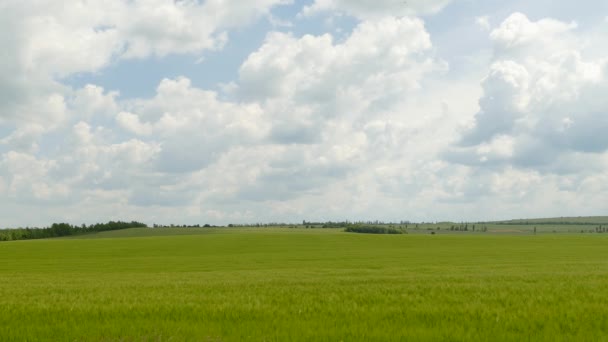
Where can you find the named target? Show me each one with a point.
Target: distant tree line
(260, 225)
(64, 229)
(372, 230)
(346, 223)
(543, 223)
(181, 225)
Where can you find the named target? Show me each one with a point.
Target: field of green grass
(274, 284)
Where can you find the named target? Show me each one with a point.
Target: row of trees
(347, 223)
(543, 223)
(372, 230)
(466, 228)
(181, 225)
(64, 229)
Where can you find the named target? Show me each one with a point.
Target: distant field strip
(304, 285)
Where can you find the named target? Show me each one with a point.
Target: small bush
(372, 230)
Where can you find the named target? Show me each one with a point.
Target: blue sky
(271, 110)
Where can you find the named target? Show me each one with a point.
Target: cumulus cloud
(518, 34)
(483, 22)
(194, 126)
(54, 39)
(83, 36)
(367, 9)
(93, 102)
(68, 135)
(356, 110)
(27, 178)
(541, 110)
(370, 124)
(304, 113)
(308, 115)
(309, 82)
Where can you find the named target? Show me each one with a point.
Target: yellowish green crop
(304, 285)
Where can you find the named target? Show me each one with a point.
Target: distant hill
(580, 220)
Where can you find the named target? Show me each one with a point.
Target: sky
(231, 111)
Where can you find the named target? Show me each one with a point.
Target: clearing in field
(302, 285)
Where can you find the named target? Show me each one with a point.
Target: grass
(303, 285)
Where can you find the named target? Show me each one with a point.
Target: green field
(303, 285)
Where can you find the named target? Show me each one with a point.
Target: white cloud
(517, 31)
(308, 122)
(535, 143)
(59, 131)
(367, 9)
(542, 96)
(25, 138)
(194, 126)
(384, 57)
(483, 22)
(344, 113)
(28, 178)
(319, 92)
(131, 122)
(93, 101)
(127, 29)
(50, 40)
(368, 125)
